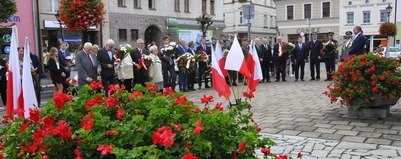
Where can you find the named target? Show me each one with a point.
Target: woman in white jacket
(155, 70)
(125, 72)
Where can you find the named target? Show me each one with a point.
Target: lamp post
(308, 22)
(389, 8)
(57, 15)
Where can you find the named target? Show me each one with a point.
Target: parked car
(390, 52)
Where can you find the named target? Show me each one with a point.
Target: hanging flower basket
(388, 29)
(81, 14)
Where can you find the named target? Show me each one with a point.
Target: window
(186, 6)
(366, 17)
(134, 34)
(350, 17)
(211, 7)
(151, 4)
(326, 9)
(177, 5)
(290, 12)
(307, 11)
(137, 3)
(122, 34)
(121, 3)
(272, 21)
(383, 16)
(241, 18)
(204, 6)
(265, 21)
(397, 41)
(53, 6)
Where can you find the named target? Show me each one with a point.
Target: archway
(153, 34)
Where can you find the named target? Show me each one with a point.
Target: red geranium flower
(112, 89)
(198, 127)
(188, 145)
(258, 129)
(180, 100)
(111, 132)
(299, 154)
(219, 106)
(23, 127)
(163, 136)
(169, 91)
(63, 131)
(78, 154)
(135, 94)
(189, 156)
(266, 151)
(60, 99)
(248, 94)
(206, 99)
(34, 115)
(151, 87)
(177, 127)
(88, 122)
(242, 147)
(105, 149)
(282, 156)
(120, 113)
(96, 85)
(92, 102)
(111, 102)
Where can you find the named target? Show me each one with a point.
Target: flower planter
(380, 108)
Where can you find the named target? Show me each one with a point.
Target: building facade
(398, 20)
(369, 14)
(262, 25)
(293, 15)
(129, 20)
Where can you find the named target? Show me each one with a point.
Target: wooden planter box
(380, 108)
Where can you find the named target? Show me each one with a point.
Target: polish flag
(235, 60)
(28, 91)
(219, 82)
(220, 58)
(254, 68)
(14, 97)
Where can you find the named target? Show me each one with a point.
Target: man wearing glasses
(141, 75)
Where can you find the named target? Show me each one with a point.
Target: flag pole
(239, 95)
(231, 86)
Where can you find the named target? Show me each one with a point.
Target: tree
(7, 9)
(205, 21)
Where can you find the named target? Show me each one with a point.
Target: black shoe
(327, 80)
(192, 89)
(302, 80)
(296, 80)
(284, 80)
(185, 90)
(277, 81)
(317, 79)
(312, 79)
(199, 88)
(207, 86)
(268, 81)
(244, 84)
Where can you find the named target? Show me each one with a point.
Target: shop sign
(306, 30)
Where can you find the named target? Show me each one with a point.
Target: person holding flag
(281, 58)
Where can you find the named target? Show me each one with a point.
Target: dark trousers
(299, 66)
(3, 90)
(265, 70)
(202, 68)
(106, 81)
(281, 65)
(65, 85)
(127, 84)
(315, 64)
(330, 66)
(140, 77)
(191, 80)
(182, 80)
(38, 89)
(169, 76)
(233, 76)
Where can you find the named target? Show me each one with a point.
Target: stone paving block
(328, 148)
(352, 145)
(301, 123)
(305, 128)
(392, 137)
(347, 132)
(310, 134)
(386, 131)
(320, 153)
(319, 147)
(343, 127)
(396, 143)
(356, 153)
(289, 132)
(393, 123)
(369, 134)
(334, 155)
(392, 153)
(331, 136)
(324, 130)
(323, 125)
(358, 124)
(340, 122)
(337, 151)
(353, 138)
(381, 126)
(379, 141)
(308, 147)
(288, 149)
(291, 127)
(396, 127)
(367, 129)
(270, 130)
(320, 121)
(303, 119)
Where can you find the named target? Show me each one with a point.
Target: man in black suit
(267, 59)
(300, 57)
(260, 52)
(141, 75)
(202, 65)
(37, 75)
(358, 45)
(281, 59)
(3, 80)
(105, 57)
(314, 47)
(63, 53)
(329, 57)
(169, 75)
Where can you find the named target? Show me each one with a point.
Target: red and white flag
(14, 97)
(254, 68)
(235, 60)
(220, 59)
(219, 82)
(28, 91)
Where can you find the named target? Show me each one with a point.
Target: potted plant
(81, 14)
(366, 82)
(388, 29)
(141, 124)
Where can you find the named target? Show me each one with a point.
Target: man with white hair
(86, 63)
(106, 64)
(141, 75)
(267, 60)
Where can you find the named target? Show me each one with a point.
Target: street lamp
(57, 15)
(388, 10)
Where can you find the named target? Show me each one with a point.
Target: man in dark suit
(314, 47)
(62, 56)
(267, 59)
(106, 64)
(260, 52)
(3, 80)
(182, 76)
(358, 45)
(86, 63)
(281, 59)
(169, 75)
(36, 76)
(202, 65)
(300, 57)
(329, 57)
(141, 75)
